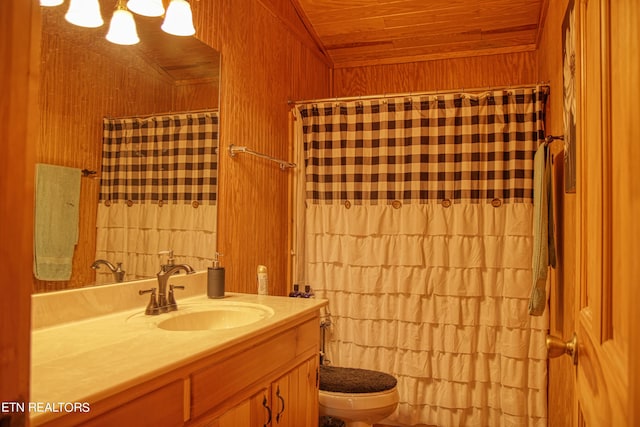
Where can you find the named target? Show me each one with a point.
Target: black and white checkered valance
(470, 148)
(162, 159)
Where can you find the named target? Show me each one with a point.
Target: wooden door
(20, 59)
(607, 213)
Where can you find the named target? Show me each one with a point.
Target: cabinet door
(238, 416)
(294, 396)
(261, 411)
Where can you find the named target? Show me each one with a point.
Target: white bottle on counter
(263, 281)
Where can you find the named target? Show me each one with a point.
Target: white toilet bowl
(358, 397)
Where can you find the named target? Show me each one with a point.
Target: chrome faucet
(168, 302)
(118, 272)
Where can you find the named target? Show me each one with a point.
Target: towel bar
(233, 150)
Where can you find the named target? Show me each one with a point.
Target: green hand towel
(56, 221)
(540, 263)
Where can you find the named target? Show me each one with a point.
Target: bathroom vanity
(244, 360)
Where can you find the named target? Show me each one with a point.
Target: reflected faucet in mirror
(118, 272)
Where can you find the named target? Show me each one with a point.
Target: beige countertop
(96, 357)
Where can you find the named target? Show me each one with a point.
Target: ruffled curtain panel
(414, 219)
(158, 191)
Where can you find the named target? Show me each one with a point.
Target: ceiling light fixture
(84, 13)
(122, 29)
(151, 8)
(50, 3)
(178, 20)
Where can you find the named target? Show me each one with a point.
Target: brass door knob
(557, 347)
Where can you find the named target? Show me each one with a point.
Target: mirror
(84, 78)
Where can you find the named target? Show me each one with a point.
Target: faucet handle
(171, 304)
(152, 307)
(119, 273)
(170, 260)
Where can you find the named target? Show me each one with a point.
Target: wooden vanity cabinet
(274, 383)
(275, 373)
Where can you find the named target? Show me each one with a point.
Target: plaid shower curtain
(163, 159)
(158, 191)
(461, 148)
(414, 218)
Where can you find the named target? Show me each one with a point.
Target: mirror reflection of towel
(56, 221)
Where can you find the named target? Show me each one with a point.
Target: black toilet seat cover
(353, 380)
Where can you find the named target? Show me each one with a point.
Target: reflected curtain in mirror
(158, 192)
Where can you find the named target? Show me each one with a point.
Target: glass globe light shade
(122, 29)
(50, 3)
(146, 7)
(179, 20)
(84, 13)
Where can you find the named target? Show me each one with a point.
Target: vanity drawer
(164, 406)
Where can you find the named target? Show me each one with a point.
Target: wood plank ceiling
(367, 32)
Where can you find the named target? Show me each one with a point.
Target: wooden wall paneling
(18, 108)
(312, 77)
(291, 15)
(305, 64)
(260, 67)
(457, 73)
(200, 96)
(562, 280)
(252, 224)
(208, 20)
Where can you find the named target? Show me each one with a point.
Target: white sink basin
(212, 316)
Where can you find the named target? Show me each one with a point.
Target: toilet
(359, 397)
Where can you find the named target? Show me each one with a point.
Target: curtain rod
(434, 92)
(146, 116)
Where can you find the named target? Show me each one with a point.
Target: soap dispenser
(215, 279)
